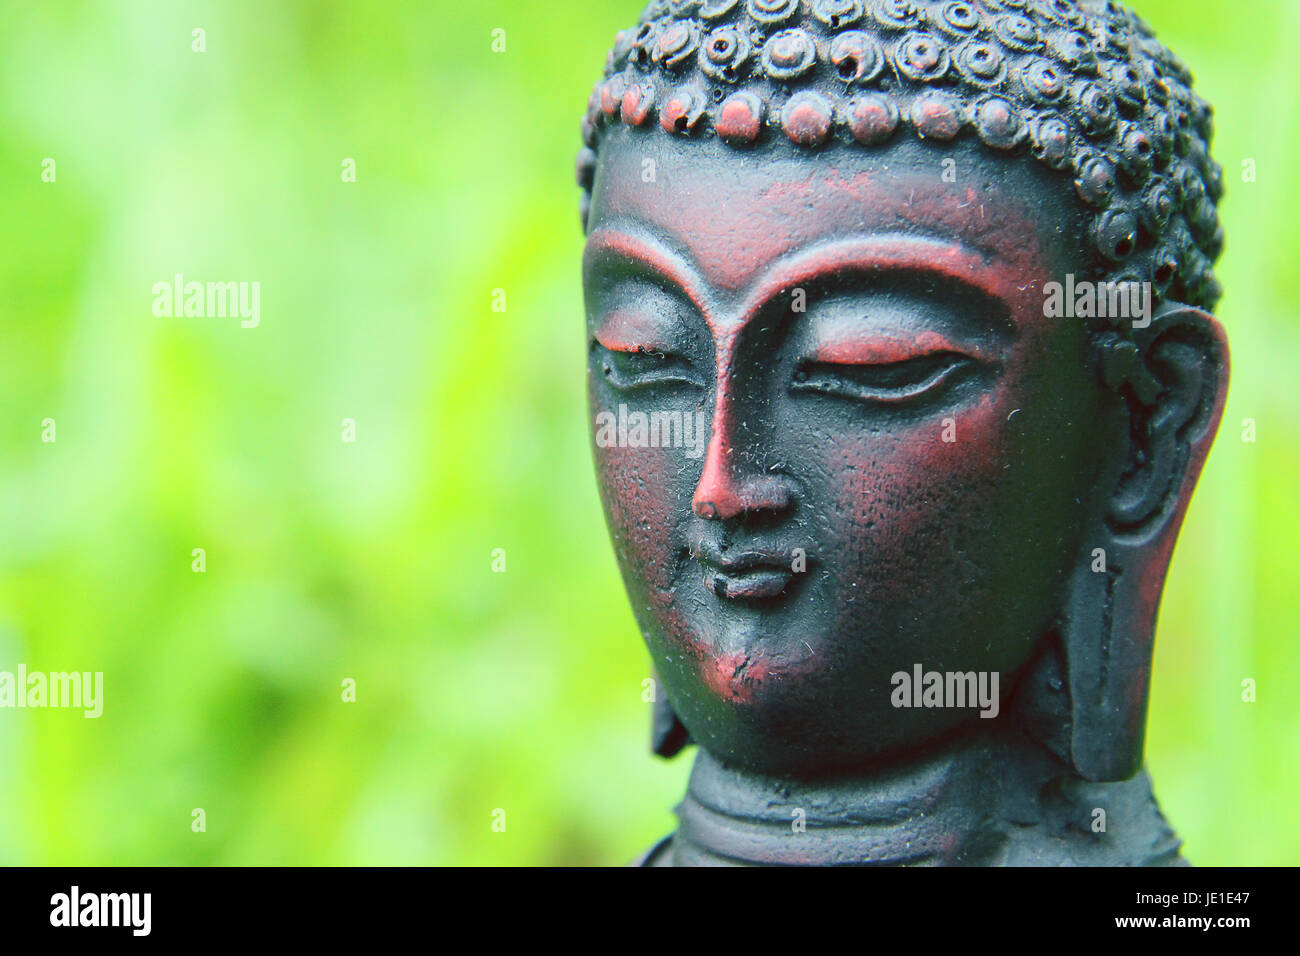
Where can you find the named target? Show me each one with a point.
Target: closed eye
(889, 382)
(643, 367)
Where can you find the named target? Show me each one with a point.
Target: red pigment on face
(631, 332)
(882, 349)
(713, 256)
(734, 676)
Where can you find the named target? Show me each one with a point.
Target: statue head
(900, 353)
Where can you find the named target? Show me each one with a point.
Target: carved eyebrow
(649, 258)
(888, 255)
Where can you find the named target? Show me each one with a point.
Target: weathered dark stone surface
(831, 231)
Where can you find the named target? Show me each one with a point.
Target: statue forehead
(1081, 86)
(734, 216)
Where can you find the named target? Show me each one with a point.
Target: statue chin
(899, 392)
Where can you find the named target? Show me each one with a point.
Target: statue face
(902, 451)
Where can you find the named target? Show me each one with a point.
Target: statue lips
(748, 575)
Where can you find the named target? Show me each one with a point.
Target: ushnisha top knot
(1083, 86)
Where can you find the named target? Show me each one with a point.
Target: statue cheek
(908, 496)
(644, 503)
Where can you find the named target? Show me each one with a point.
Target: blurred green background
(371, 560)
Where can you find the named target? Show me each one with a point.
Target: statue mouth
(745, 576)
(758, 584)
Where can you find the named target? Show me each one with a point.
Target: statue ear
(1172, 375)
(668, 735)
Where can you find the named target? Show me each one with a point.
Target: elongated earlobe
(1173, 378)
(668, 736)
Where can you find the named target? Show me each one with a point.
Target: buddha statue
(934, 282)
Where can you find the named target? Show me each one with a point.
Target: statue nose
(731, 483)
(726, 492)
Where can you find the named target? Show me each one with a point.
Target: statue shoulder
(658, 855)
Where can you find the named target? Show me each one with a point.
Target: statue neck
(986, 800)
